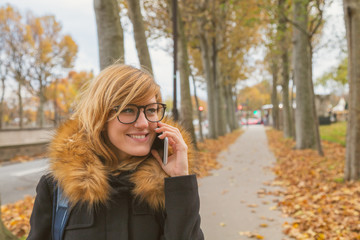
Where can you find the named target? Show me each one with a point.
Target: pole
(174, 5)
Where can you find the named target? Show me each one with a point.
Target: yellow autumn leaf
(320, 236)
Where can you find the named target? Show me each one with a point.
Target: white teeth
(138, 136)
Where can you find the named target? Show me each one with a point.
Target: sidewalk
(232, 205)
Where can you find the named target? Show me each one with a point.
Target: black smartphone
(162, 146)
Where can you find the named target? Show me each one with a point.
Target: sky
(78, 19)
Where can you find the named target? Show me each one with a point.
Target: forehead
(144, 102)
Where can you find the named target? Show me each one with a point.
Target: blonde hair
(116, 85)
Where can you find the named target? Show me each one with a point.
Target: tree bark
(233, 100)
(210, 86)
(186, 108)
(287, 120)
(2, 101)
(109, 31)
(197, 108)
(221, 106)
(315, 115)
(139, 34)
(21, 108)
(274, 98)
(231, 106)
(305, 122)
(352, 22)
(41, 116)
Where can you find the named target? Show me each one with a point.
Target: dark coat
(135, 201)
(180, 220)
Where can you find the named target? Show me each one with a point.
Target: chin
(140, 153)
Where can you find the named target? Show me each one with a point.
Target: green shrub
(335, 132)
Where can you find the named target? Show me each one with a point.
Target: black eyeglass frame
(116, 108)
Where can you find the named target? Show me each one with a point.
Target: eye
(128, 110)
(151, 110)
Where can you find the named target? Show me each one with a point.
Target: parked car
(251, 121)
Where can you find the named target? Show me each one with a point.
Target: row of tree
(34, 53)
(293, 34)
(214, 39)
(214, 42)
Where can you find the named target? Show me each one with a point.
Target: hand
(177, 162)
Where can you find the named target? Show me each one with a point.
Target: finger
(171, 142)
(168, 131)
(168, 127)
(174, 140)
(170, 135)
(164, 128)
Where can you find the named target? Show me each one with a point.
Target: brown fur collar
(84, 178)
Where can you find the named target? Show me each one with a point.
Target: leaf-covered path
(235, 200)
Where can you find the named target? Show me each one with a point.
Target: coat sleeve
(41, 217)
(182, 205)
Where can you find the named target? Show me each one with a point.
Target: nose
(141, 122)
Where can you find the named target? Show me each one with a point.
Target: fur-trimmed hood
(84, 178)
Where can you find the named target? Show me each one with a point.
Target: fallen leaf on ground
(252, 205)
(322, 205)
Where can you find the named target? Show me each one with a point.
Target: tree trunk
(139, 34)
(56, 108)
(274, 98)
(186, 108)
(234, 104)
(110, 32)
(198, 110)
(287, 120)
(352, 21)
(41, 116)
(2, 101)
(292, 110)
(21, 115)
(231, 106)
(316, 118)
(305, 122)
(210, 86)
(221, 106)
(218, 42)
(5, 234)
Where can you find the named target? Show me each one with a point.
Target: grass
(335, 132)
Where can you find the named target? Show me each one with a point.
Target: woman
(106, 162)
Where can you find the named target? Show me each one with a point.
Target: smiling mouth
(138, 136)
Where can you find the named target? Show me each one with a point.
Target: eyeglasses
(154, 112)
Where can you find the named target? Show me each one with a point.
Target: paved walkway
(232, 205)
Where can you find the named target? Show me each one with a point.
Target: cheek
(152, 128)
(114, 130)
